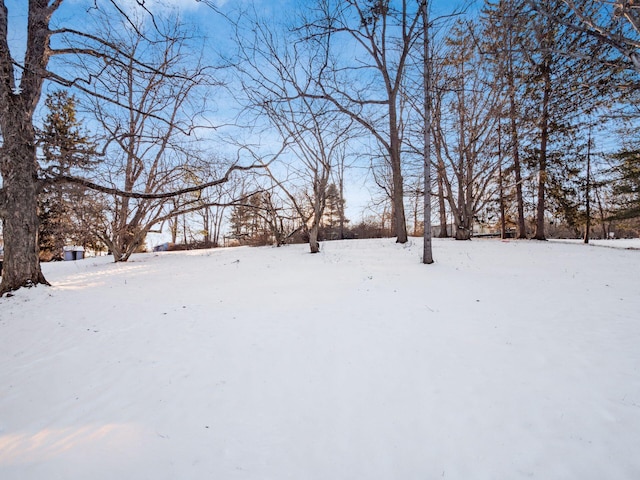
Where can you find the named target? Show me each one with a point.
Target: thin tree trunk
(399, 219)
(515, 139)
(503, 223)
(587, 229)
(462, 218)
(416, 207)
(173, 228)
(184, 230)
(517, 168)
(427, 254)
(442, 207)
(544, 138)
(341, 211)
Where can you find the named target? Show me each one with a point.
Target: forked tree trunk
(463, 229)
(442, 208)
(314, 245)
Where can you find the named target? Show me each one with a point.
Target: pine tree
(333, 219)
(66, 150)
(627, 185)
(553, 80)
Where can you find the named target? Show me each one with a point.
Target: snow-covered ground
(504, 360)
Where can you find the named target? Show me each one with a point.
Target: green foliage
(626, 185)
(331, 227)
(64, 146)
(65, 150)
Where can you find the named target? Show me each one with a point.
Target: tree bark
(515, 145)
(542, 159)
(314, 245)
(442, 209)
(18, 196)
(503, 221)
(400, 221)
(587, 228)
(513, 117)
(427, 251)
(21, 265)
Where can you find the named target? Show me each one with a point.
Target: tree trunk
(603, 222)
(503, 222)
(515, 139)
(416, 207)
(464, 172)
(400, 222)
(206, 224)
(21, 265)
(442, 207)
(542, 161)
(173, 228)
(18, 164)
(342, 219)
(427, 253)
(463, 228)
(587, 228)
(515, 145)
(314, 245)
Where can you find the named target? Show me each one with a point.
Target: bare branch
(149, 196)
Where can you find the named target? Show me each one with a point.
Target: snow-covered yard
(504, 360)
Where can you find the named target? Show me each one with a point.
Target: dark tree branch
(151, 196)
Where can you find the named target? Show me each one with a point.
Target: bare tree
(21, 84)
(366, 86)
(276, 73)
(504, 42)
(147, 129)
(20, 90)
(466, 136)
(427, 254)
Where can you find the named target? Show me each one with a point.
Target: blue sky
(75, 13)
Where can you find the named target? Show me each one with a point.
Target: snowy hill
(504, 360)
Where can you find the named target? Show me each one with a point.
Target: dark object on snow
(164, 247)
(73, 253)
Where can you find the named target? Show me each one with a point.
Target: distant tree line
(525, 113)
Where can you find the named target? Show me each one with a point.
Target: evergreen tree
(66, 150)
(627, 185)
(554, 78)
(333, 219)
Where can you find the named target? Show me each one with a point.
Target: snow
(503, 360)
